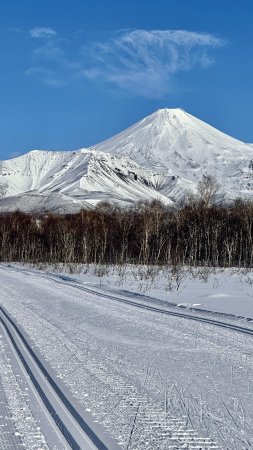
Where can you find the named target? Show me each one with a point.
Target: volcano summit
(163, 156)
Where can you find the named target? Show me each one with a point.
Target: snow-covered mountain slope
(161, 157)
(67, 181)
(177, 144)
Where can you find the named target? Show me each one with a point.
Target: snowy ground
(228, 291)
(153, 381)
(19, 428)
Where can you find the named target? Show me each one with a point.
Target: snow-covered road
(151, 380)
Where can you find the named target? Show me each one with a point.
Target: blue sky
(76, 72)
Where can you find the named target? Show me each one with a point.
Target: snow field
(152, 381)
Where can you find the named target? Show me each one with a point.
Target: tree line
(195, 234)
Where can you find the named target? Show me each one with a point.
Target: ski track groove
(19, 429)
(215, 322)
(96, 442)
(162, 429)
(158, 428)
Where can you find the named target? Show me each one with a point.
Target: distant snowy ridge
(161, 157)
(68, 181)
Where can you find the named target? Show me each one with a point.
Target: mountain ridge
(163, 156)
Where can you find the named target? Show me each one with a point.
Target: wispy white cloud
(42, 32)
(145, 62)
(47, 76)
(141, 62)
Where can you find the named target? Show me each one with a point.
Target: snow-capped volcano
(175, 141)
(178, 145)
(161, 157)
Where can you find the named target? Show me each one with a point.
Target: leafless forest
(195, 234)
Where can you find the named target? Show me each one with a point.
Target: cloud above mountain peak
(145, 62)
(140, 62)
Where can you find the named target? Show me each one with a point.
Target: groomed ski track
(76, 432)
(159, 426)
(62, 279)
